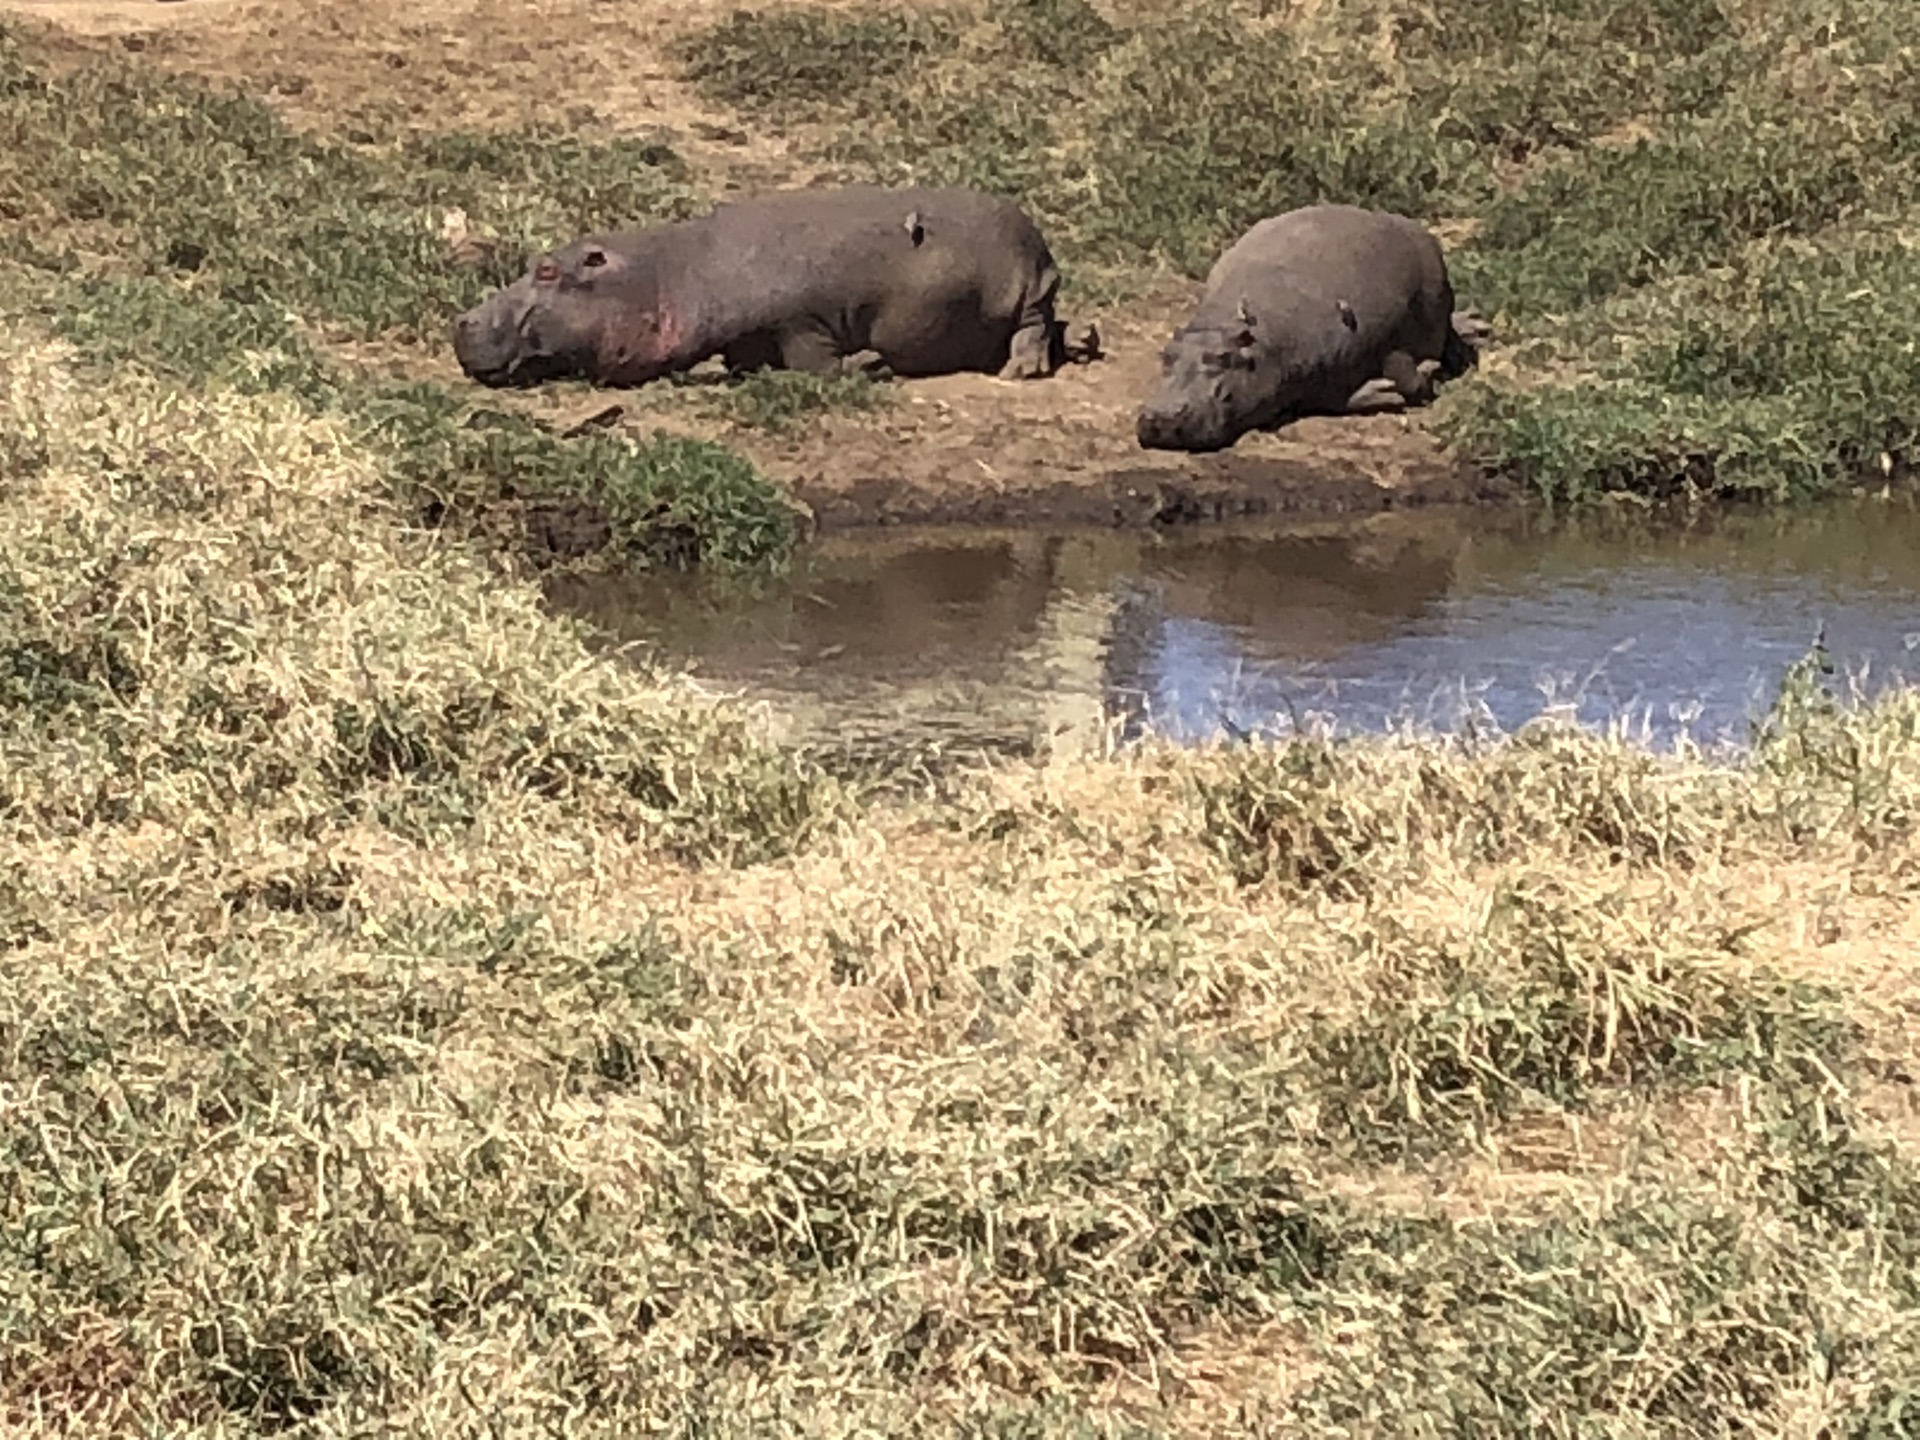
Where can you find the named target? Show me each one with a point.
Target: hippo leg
(812, 351)
(1376, 395)
(1472, 327)
(1081, 342)
(757, 351)
(1034, 353)
(1467, 335)
(1406, 382)
(1412, 378)
(870, 363)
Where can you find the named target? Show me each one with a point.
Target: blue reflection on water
(1661, 650)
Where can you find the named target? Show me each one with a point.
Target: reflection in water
(1434, 619)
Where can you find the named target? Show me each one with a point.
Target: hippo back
(859, 235)
(934, 278)
(1333, 252)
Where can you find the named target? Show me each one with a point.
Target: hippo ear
(592, 258)
(1243, 314)
(546, 272)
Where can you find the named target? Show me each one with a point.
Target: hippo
(1324, 310)
(910, 281)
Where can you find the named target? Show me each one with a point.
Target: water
(1436, 619)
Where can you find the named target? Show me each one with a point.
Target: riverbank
(971, 450)
(413, 1021)
(1691, 227)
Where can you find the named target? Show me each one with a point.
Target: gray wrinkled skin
(918, 281)
(1325, 310)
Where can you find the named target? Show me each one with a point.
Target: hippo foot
(1081, 343)
(1034, 353)
(869, 363)
(1376, 396)
(1026, 367)
(1472, 327)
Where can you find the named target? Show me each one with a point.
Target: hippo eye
(546, 272)
(594, 258)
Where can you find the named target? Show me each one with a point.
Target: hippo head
(1211, 390)
(585, 310)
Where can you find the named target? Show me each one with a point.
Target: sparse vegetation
(415, 1022)
(775, 400)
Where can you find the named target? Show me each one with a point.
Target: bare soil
(965, 449)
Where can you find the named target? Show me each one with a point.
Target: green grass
(1610, 152)
(448, 458)
(1787, 372)
(174, 177)
(776, 401)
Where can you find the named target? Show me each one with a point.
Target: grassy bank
(1692, 220)
(413, 1024)
(164, 225)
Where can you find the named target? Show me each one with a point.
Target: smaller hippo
(1325, 310)
(916, 281)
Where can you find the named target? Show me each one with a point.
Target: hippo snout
(1152, 430)
(1158, 429)
(478, 346)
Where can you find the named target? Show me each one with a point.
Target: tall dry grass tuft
(210, 609)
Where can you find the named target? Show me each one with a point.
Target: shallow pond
(1432, 618)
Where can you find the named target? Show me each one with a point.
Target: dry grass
(415, 1025)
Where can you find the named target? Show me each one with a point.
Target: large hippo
(1325, 310)
(922, 281)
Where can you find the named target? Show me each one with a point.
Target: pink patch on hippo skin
(634, 359)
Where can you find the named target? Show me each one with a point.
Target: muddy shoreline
(1237, 489)
(1234, 488)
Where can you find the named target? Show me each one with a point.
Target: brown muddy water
(1018, 640)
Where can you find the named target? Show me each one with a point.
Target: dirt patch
(959, 449)
(378, 68)
(976, 449)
